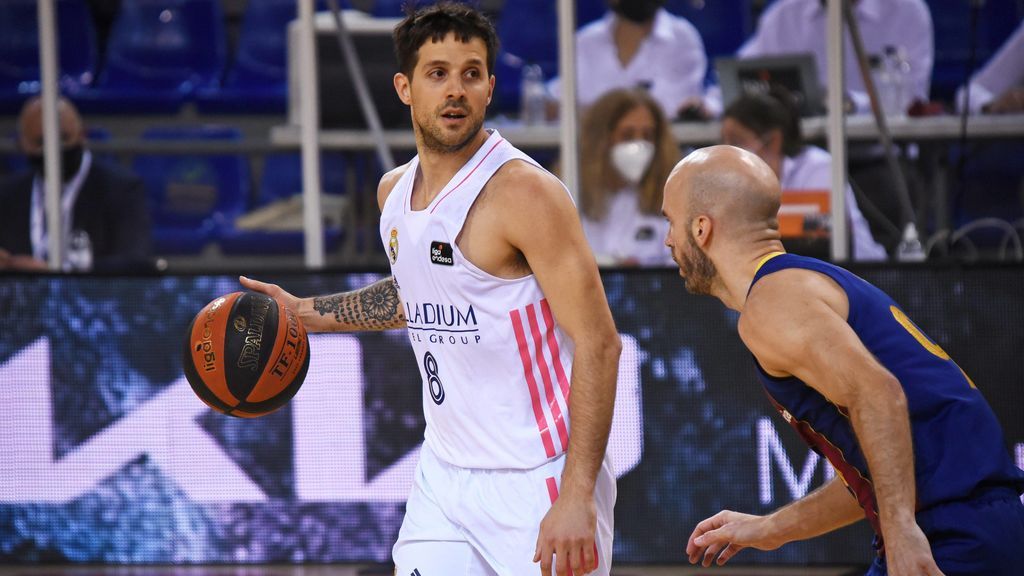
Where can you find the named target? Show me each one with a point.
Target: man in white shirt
(767, 126)
(799, 26)
(998, 88)
(639, 43)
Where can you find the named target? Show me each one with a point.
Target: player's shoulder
(388, 182)
(790, 295)
(523, 192)
(518, 176)
(767, 299)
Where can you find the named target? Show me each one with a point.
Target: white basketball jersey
(495, 365)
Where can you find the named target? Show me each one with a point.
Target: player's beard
(700, 270)
(440, 140)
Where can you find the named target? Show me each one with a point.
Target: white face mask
(632, 159)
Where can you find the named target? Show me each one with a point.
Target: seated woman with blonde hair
(626, 154)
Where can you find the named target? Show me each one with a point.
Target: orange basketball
(246, 355)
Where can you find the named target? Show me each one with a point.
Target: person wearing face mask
(768, 125)
(799, 27)
(640, 44)
(103, 206)
(626, 153)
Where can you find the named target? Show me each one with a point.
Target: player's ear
(700, 227)
(403, 89)
(490, 91)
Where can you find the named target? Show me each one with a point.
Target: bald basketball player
(918, 451)
(501, 297)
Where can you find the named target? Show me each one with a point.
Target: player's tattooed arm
(375, 307)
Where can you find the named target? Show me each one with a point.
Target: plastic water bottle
(909, 248)
(899, 79)
(79, 253)
(885, 84)
(533, 96)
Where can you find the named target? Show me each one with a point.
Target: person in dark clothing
(104, 211)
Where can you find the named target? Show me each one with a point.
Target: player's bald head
(731, 185)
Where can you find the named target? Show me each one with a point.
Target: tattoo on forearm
(376, 307)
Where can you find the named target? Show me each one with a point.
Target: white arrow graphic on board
(329, 435)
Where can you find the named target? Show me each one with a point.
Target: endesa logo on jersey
(441, 253)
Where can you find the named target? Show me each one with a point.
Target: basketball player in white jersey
(501, 296)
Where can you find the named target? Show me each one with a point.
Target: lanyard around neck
(40, 248)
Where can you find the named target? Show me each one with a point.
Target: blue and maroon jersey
(959, 448)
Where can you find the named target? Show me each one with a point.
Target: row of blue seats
(162, 53)
(196, 200)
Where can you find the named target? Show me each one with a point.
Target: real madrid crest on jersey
(393, 246)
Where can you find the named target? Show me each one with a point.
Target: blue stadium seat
(282, 176)
(528, 30)
(193, 197)
(257, 79)
(723, 24)
(388, 8)
(282, 179)
(97, 134)
(589, 10)
(951, 21)
(393, 8)
(159, 54)
(990, 187)
(19, 49)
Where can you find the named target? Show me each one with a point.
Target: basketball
(246, 355)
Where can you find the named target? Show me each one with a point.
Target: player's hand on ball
(567, 532)
(273, 290)
(725, 534)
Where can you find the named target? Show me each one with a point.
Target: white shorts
(475, 522)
